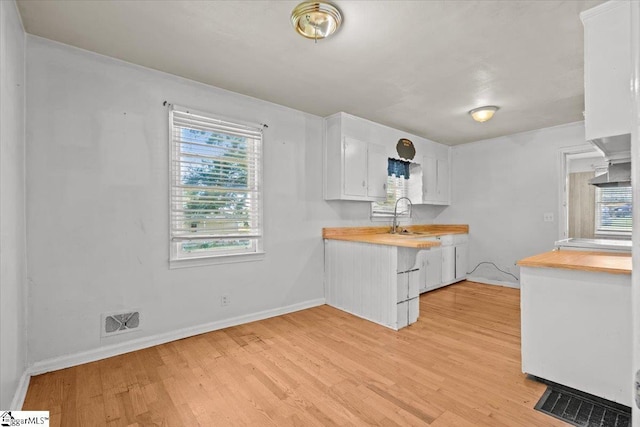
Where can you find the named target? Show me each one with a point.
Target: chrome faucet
(394, 227)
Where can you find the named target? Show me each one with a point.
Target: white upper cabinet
(442, 185)
(355, 168)
(377, 162)
(607, 69)
(435, 180)
(356, 154)
(429, 179)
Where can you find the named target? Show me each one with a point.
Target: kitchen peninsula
(576, 320)
(378, 276)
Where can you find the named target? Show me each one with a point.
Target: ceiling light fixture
(316, 19)
(482, 114)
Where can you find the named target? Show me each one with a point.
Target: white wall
(13, 338)
(97, 201)
(501, 188)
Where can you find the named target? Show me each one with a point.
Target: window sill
(612, 235)
(215, 260)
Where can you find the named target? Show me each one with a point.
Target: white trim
(563, 200)
(21, 391)
(215, 260)
(259, 127)
(600, 9)
(479, 279)
(80, 358)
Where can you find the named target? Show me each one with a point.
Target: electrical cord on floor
(498, 268)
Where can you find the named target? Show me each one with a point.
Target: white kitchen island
(576, 321)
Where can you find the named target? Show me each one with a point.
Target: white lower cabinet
(376, 282)
(461, 261)
(446, 264)
(382, 283)
(431, 269)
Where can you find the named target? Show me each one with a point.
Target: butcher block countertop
(415, 238)
(605, 262)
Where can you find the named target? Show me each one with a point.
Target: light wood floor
(458, 366)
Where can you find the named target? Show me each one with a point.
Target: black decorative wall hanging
(405, 149)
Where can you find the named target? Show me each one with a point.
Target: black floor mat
(582, 409)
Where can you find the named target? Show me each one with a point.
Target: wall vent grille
(119, 323)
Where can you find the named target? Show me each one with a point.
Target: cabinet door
(354, 166)
(414, 283)
(377, 164)
(403, 314)
(448, 264)
(402, 287)
(461, 261)
(442, 187)
(433, 268)
(414, 310)
(422, 263)
(607, 70)
(408, 285)
(429, 179)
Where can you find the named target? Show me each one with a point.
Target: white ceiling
(418, 66)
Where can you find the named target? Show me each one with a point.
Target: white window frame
(385, 209)
(179, 234)
(599, 231)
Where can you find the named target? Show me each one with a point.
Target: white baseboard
(21, 392)
(69, 360)
(493, 282)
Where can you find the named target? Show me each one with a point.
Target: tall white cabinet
(607, 69)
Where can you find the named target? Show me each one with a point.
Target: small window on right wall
(613, 210)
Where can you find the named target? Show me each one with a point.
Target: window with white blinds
(397, 187)
(613, 210)
(216, 200)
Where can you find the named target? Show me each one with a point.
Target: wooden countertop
(606, 262)
(381, 235)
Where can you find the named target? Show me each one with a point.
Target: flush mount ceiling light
(316, 19)
(482, 114)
